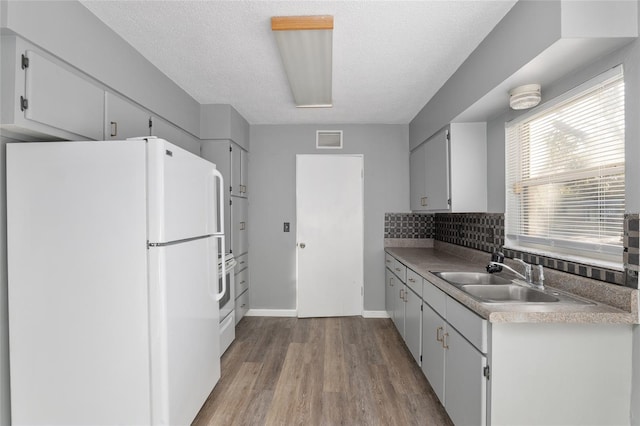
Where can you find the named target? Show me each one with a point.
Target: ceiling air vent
(329, 139)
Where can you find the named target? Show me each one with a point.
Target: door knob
(302, 245)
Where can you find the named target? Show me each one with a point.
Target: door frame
(361, 157)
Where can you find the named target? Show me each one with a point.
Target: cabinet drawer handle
(243, 305)
(242, 282)
(438, 336)
(412, 280)
(398, 269)
(242, 262)
(444, 340)
(114, 128)
(388, 261)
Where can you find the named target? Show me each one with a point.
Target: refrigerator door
(77, 269)
(182, 197)
(185, 346)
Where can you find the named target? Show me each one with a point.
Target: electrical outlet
(286, 227)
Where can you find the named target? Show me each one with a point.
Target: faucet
(528, 273)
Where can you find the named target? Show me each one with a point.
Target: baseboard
(272, 313)
(375, 314)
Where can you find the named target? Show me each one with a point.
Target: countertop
(613, 304)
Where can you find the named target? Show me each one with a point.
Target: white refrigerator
(113, 282)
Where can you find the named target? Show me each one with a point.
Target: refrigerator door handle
(219, 233)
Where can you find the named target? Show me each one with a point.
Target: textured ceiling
(389, 57)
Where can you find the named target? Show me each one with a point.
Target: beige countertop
(613, 304)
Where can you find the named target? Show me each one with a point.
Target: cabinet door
(466, 387)
(236, 170)
(413, 323)
(437, 173)
(165, 130)
(242, 306)
(239, 230)
(433, 329)
(399, 305)
(244, 172)
(62, 99)
(124, 119)
(390, 292)
(418, 177)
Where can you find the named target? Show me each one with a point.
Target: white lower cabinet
(465, 389)
(433, 329)
(390, 289)
(398, 306)
(413, 323)
(453, 366)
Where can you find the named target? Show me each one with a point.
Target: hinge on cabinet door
(230, 188)
(420, 358)
(448, 136)
(230, 148)
(421, 307)
(449, 201)
(24, 103)
(24, 62)
(486, 372)
(150, 125)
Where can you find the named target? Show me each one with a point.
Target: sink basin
(511, 293)
(464, 278)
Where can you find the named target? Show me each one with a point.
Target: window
(565, 190)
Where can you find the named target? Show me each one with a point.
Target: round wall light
(524, 97)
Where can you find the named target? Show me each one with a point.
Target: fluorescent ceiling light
(305, 44)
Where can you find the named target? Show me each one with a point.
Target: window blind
(565, 173)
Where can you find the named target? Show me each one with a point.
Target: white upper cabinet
(240, 167)
(125, 119)
(449, 171)
(45, 99)
(165, 130)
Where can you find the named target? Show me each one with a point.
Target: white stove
(227, 303)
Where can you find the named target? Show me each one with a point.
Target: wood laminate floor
(320, 371)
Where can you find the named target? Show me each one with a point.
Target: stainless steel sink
(490, 288)
(511, 293)
(464, 278)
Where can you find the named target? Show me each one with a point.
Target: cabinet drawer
(470, 325)
(400, 270)
(242, 306)
(241, 281)
(388, 261)
(435, 298)
(414, 281)
(243, 262)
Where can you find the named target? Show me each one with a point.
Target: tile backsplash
(485, 232)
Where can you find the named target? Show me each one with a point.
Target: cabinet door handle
(391, 280)
(444, 340)
(242, 226)
(401, 294)
(114, 128)
(438, 336)
(423, 201)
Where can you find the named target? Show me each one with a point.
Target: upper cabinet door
(57, 97)
(124, 119)
(437, 165)
(239, 170)
(418, 177)
(244, 173)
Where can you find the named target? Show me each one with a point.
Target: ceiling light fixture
(305, 44)
(524, 97)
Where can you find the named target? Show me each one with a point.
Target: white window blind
(565, 173)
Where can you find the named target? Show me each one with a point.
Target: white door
(329, 197)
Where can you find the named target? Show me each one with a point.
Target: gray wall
(272, 179)
(5, 402)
